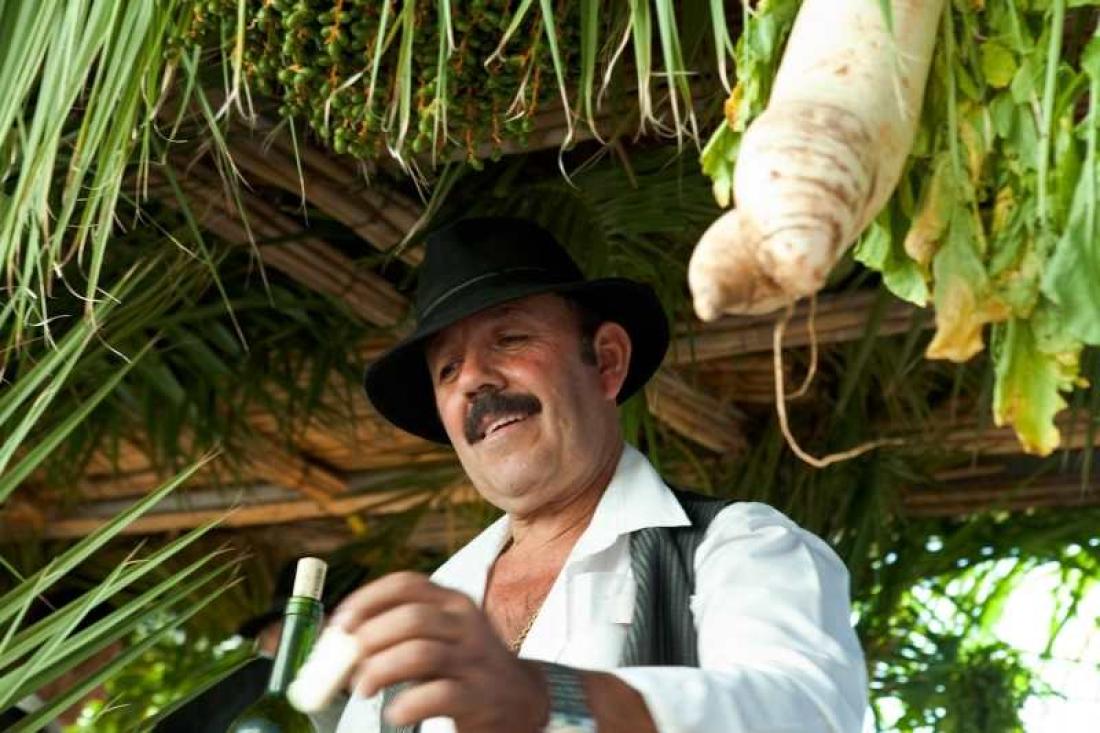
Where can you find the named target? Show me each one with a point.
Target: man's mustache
(497, 403)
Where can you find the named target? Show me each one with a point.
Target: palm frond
(41, 374)
(81, 85)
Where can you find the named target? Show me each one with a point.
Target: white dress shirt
(777, 652)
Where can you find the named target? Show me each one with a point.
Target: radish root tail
(811, 329)
(781, 403)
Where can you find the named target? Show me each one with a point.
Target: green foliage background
(79, 373)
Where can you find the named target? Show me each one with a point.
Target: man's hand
(411, 630)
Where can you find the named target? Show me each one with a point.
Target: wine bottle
(272, 713)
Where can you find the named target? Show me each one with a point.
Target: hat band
(474, 281)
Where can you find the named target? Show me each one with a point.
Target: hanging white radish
(822, 159)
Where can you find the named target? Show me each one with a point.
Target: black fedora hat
(479, 263)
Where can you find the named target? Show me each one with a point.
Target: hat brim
(399, 385)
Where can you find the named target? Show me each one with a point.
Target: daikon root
(822, 159)
(726, 251)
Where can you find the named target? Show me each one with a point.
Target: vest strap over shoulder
(662, 631)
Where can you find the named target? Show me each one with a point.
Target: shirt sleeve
(361, 715)
(777, 651)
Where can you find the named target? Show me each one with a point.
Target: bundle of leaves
(995, 218)
(415, 76)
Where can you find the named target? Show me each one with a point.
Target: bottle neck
(301, 624)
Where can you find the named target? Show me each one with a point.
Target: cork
(309, 578)
(325, 671)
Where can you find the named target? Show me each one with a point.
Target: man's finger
(405, 622)
(386, 592)
(417, 659)
(432, 699)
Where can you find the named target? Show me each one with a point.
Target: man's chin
(508, 480)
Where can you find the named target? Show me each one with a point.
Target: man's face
(531, 419)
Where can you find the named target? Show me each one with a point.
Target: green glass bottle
(272, 713)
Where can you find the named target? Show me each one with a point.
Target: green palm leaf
(50, 711)
(80, 85)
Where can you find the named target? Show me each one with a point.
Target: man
(648, 609)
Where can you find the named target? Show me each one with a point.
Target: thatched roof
(336, 226)
(357, 464)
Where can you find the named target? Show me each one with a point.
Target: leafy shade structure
(994, 220)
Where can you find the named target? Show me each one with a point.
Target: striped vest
(662, 631)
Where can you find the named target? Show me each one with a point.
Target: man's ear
(612, 346)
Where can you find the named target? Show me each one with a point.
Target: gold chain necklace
(517, 642)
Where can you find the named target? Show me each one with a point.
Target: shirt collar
(467, 569)
(636, 498)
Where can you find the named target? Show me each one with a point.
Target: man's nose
(479, 374)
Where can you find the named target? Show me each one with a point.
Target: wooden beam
(949, 500)
(267, 461)
(285, 245)
(360, 443)
(839, 318)
(968, 436)
(441, 529)
(266, 513)
(693, 413)
(19, 511)
(129, 485)
(336, 184)
(380, 218)
(396, 212)
(356, 441)
(391, 214)
(1003, 493)
(748, 379)
(123, 456)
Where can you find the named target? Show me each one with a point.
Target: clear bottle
(272, 713)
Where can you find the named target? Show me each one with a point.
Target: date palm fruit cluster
(317, 57)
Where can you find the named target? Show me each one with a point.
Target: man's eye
(512, 339)
(447, 371)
